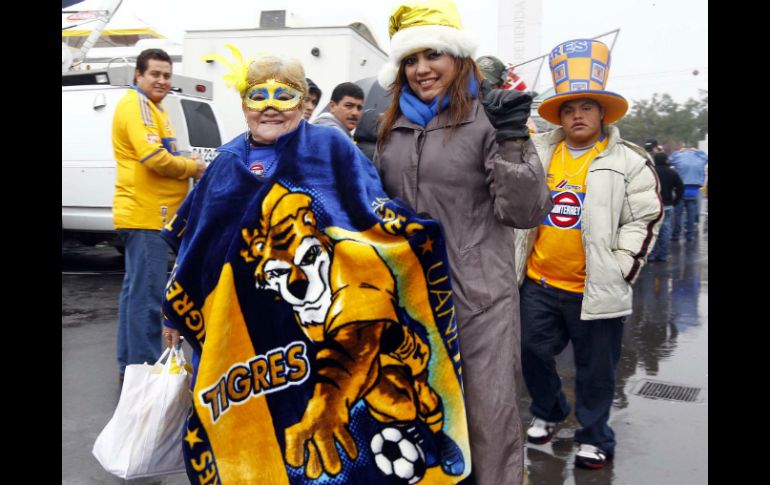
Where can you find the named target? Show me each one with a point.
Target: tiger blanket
(321, 317)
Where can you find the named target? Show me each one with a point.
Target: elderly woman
(477, 174)
(320, 346)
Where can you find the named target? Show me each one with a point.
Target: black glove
(485, 88)
(508, 111)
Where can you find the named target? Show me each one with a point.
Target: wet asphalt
(659, 441)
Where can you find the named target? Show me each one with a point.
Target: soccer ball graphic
(397, 457)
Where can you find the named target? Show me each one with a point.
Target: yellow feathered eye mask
(272, 94)
(261, 95)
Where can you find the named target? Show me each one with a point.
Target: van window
(201, 125)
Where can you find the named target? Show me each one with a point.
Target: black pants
(550, 319)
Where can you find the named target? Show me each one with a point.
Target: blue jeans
(139, 321)
(660, 251)
(550, 318)
(692, 206)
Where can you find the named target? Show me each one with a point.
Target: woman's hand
(170, 336)
(508, 112)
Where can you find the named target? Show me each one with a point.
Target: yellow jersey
(152, 180)
(558, 258)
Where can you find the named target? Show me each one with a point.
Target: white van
(89, 99)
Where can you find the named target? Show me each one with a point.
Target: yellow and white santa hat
(580, 69)
(429, 24)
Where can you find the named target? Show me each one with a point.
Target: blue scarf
(417, 111)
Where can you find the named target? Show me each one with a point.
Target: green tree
(667, 121)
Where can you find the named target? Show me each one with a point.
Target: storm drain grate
(668, 391)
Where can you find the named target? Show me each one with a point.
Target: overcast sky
(661, 44)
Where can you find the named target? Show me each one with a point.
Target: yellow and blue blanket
(321, 317)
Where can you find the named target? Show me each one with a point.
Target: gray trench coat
(479, 191)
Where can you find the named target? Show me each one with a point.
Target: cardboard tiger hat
(580, 69)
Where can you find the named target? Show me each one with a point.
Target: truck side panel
(88, 166)
(88, 163)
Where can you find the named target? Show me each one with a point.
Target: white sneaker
(589, 456)
(540, 431)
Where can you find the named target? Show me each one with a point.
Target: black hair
(313, 88)
(144, 57)
(347, 89)
(650, 144)
(597, 103)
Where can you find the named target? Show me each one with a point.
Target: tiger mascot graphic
(345, 301)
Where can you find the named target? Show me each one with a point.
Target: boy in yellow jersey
(576, 268)
(152, 181)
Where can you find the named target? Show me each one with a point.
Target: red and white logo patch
(257, 168)
(567, 209)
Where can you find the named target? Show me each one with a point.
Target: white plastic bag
(144, 436)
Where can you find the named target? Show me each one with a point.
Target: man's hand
(170, 336)
(508, 111)
(201, 165)
(317, 431)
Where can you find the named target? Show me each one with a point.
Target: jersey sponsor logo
(565, 186)
(567, 209)
(152, 138)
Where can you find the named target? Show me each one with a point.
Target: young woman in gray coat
(470, 165)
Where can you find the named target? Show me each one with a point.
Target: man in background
(344, 108)
(652, 147)
(152, 181)
(690, 164)
(671, 191)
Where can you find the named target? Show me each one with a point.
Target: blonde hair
(288, 70)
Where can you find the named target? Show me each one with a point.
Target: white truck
(330, 56)
(88, 168)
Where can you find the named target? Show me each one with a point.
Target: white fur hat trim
(442, 38)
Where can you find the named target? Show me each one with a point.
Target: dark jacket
(366, 133)
(671, 186)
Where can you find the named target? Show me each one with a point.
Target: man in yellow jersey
(152, 181)
(576, 268)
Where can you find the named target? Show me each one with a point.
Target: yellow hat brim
(615, 105)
